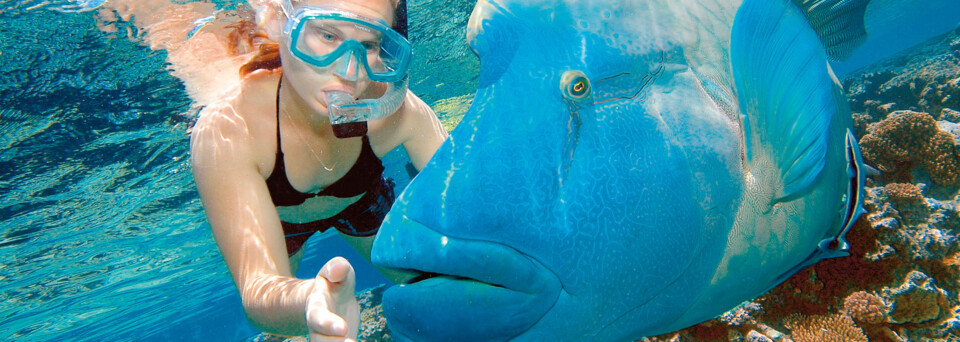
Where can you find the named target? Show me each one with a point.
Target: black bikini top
(362, 177)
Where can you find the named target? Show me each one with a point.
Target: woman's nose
(348, 67)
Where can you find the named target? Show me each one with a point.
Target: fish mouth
(465, 288)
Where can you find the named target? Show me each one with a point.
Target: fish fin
(872, 171)
(837, 246)
(786, 91)
(838, 23)
(856, 171)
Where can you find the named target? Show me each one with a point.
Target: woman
(296, 150)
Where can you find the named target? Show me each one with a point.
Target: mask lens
(318, 39)
(321, 39)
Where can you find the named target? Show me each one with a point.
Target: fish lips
(470, 290)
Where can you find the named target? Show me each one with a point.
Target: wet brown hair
(246, 36)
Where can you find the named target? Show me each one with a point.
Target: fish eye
(574, 85)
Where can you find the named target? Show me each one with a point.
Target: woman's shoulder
(220, 133)
(258, 89)
(411, 112)
(239, 122)
(414, 120)
(251, 101)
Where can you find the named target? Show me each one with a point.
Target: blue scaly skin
(628, 168)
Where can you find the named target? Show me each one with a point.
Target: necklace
(305, 142)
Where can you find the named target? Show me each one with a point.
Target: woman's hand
(333, 313)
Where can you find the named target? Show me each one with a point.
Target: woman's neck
(302, 113)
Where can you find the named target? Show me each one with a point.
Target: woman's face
(312, 83)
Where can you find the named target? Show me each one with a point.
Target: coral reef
(865, 308)
(264, 337)
(373, 326)
(451, 110)
(901, 280)
(924, 79)
(918, 300)
(838, 328)
(896, 106)
(907, 138)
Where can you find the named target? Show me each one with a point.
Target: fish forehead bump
(633, 27)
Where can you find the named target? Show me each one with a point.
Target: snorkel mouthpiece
(345, 115)
(349, 116)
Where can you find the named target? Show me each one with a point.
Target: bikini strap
(279, 150)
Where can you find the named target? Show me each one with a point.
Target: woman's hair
(246, 35)
(267, 56)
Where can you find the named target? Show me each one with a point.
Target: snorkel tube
(349, 116)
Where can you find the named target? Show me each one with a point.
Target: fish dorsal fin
(786, 92)
(838, 23)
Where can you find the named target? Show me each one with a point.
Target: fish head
(562, 204)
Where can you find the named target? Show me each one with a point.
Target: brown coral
(838, 328)
(904, 193)
(909, 138)
(909, 202)
(898, 140)
(944, 164)
(866, 308)
(917, 300)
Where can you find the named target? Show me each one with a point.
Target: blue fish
(628, 168)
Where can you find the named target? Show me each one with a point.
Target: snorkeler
(296, 150)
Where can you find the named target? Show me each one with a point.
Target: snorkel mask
(342, 42)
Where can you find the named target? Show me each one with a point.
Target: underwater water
(103, 236)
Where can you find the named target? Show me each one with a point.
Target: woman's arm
(244, 223)
(206, 55)
(421, 130)
(247, 230)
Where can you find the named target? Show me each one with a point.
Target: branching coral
(908, 138)
(832, 328)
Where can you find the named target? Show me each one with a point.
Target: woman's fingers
(333, 313)
(323, 322)
(339, 272)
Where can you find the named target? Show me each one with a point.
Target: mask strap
(400, 18)
(287, 8)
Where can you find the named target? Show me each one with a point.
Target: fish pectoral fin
(787, 94)
(853, 208)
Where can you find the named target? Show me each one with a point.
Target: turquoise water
(102, 233)
(102, 228)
